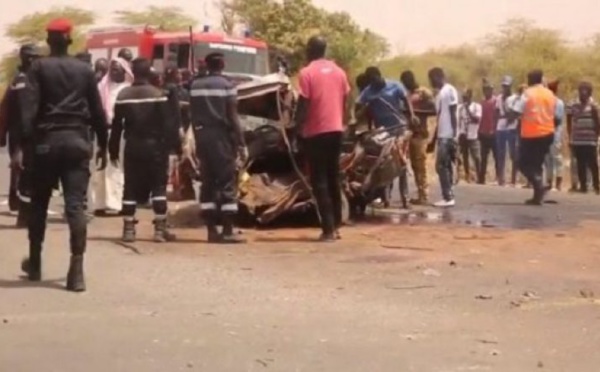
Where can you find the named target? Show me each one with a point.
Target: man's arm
(232, 115)
(4, 117)
(303, 104)
(97, 114)
(116, 132)
(595, 118)
(30, 100)
(173, 121)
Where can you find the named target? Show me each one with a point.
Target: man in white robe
(106, 193)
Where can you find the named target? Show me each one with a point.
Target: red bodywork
(147, 43)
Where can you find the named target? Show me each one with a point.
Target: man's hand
(243, 154)
(430, 147)
(101, 160)
(16, 160)
(415, 122)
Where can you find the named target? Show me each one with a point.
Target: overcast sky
(409, 25)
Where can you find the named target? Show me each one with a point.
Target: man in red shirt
(487, 131)
(320, 115)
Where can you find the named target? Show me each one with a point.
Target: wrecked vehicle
(275, 182)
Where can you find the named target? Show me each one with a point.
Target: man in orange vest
(537, 108)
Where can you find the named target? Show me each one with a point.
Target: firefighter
(19, 195)
(220, 140)
(62, 100)
(148, 117)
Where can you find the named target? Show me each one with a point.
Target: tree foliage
(517, 47)
(32, 29)
(168, 18)
(288, 24)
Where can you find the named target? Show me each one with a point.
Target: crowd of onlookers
(485, 128)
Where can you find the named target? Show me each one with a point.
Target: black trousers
(323, 155)
(487, 145)
(146, 167)
(532, 152)
(217, 154)
(60, 156)
(587, 161)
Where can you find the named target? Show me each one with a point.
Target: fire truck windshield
(239, 59)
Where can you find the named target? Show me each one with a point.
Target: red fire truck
(243, 55)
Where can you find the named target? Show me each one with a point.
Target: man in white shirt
(506, 132)
(469, 117)
(445, 136)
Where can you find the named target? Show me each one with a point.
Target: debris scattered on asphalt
(586, 293)
(530, 295)
(495, 352)
(190, 365)
(407, 248)
(262, 363)
(484, 297)
(409, 288)
(453, 263)
(487, 342)
(540, 364)
(432, 272)
(5, 321)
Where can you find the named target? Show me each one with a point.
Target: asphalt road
(440, 293)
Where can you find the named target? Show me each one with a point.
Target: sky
(408, 25)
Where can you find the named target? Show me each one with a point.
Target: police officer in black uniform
(219, 141)
(20, 195)
(149, 118)
(63, 100)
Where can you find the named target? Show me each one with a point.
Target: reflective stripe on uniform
(213, 92)
(141, 100)
(159, 198)
(208, 206)
(231, 207)
(129, 202)
(23, 198)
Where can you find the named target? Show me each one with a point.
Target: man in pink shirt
(320, 115)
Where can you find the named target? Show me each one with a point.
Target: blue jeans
(446, 152)
(506, 140)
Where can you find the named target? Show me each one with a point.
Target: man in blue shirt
(386, 101)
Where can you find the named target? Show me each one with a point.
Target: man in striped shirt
(583, 126)
(219, 139)
(148, 116)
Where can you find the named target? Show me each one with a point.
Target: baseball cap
(507, 80)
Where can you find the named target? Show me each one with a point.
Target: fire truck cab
(244, 56)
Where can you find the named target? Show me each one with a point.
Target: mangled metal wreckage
(274, 184)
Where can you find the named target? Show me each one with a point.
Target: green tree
(168, 18)
(32, 29)
(288, 24)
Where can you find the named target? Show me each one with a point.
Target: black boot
(75, 277)
(32, 265)
(129, 231)
(161, 232)
(228, 236)
(23, 216)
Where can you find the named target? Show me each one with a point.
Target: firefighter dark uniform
(63, 100)
(148, 118)
(217, 148)
(20, 194)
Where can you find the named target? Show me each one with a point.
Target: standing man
(388, 104)
(423, 105)
(320, 115)
(16, 101)
(220, 140)
(446, 133)
(63, 100)
(506, 133)
(554, 159)
(583, 128)
(469, 116)
(147, 116)
(538, 110)
(487, 131)
(100, 68)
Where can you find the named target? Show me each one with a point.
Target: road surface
(488, 286)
